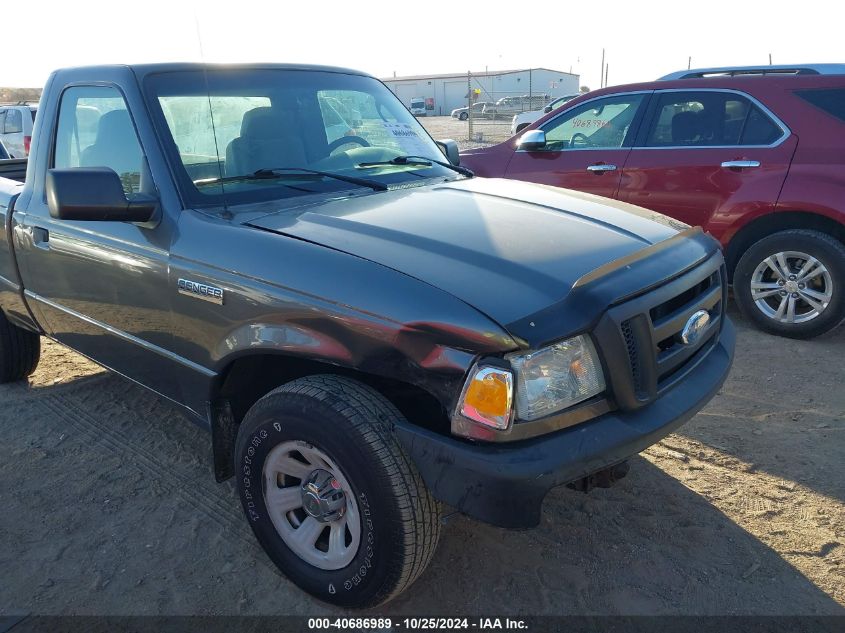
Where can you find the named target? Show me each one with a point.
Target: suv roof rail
(734, 71)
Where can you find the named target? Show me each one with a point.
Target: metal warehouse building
(443, 93)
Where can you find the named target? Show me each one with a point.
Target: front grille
(645, 333)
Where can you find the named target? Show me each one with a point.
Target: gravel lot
(109, 507)
(491, 132)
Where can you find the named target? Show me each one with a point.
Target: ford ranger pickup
(366, 329)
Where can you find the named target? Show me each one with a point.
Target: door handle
(601, 168)
(40, 237)
(740, 164)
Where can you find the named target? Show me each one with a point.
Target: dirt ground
(484, 132)
(109, 507)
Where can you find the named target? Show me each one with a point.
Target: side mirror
(547, 109)
(94, 193)
(532, 140)
(450, 150)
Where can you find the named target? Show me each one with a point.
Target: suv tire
(20, 351)
(799, 283)
(390, 523)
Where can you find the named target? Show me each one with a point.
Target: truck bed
(13, 169)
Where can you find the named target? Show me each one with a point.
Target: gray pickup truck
(366, 329)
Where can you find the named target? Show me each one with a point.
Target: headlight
(556, 377)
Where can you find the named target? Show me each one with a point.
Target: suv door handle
(740, 164)
(600, 168)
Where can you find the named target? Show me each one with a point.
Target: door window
(95, 130)
(600, 124)
(709, 119)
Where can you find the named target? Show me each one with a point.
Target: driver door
(586, 146)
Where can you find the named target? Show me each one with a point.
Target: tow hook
(602, 478)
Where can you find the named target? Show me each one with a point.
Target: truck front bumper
(505, 484)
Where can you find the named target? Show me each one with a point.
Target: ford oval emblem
(695, 325)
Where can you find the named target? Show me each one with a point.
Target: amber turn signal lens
(488, 397)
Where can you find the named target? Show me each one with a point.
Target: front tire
(337, 434)
(20, 351)
(792, 283)
(463, 116)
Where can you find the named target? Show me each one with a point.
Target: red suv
(756, 156)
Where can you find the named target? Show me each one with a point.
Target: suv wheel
(330, 494)
(792, 283)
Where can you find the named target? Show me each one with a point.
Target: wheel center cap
(791, 286)
(322, 496)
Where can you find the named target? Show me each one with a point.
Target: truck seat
(269, 138)
(116, 145)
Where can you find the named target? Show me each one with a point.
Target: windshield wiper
(423, 161)
(273, 172)
(362, 182)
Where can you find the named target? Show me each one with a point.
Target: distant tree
(584, 89)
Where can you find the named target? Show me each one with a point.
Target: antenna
(226, 214)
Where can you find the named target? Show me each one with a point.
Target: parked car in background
(366, 331)
(477, 111)
(506, 107)
(418, 106)
(753, 155)
(16, 127)
(524, 119)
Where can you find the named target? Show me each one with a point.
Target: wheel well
(249, 378)
(773, 223)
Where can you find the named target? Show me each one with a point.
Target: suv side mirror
(450, 150)
(94, 193)
(547, 109)
(532, 140)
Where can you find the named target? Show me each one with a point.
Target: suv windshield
(225, 125)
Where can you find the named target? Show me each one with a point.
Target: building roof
(491, 73)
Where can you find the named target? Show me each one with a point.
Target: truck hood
(507, 248)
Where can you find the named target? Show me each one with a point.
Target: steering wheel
(343, 140)
(579, 139)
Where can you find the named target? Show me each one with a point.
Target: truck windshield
(224, 125)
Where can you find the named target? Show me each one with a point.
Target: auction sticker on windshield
(406, 138)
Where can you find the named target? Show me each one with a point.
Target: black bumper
(505, 484)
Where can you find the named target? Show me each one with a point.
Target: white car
(16, 128)
(524, 119)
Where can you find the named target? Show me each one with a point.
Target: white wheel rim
(791, 287)
(326, 545)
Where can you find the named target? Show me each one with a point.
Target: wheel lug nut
(783, 293)
(794, 295)
(781, 282)
(801, 286)
(792, 278)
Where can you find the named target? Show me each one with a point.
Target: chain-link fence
(492, 106)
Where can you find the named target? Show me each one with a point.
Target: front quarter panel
(287, 296)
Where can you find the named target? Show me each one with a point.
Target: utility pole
(770, 59)
(530, 87)
(689, 62)
(469, 105)
(601, 74)
(606, 69)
